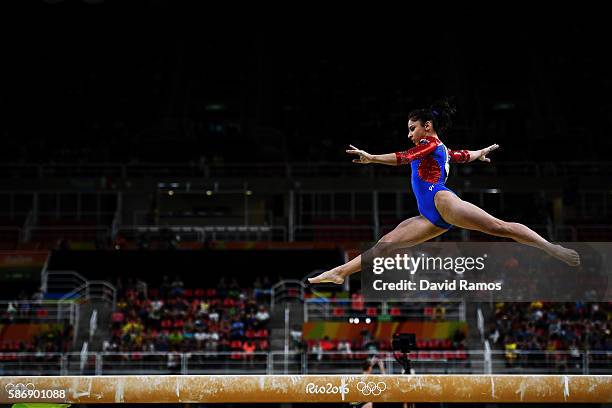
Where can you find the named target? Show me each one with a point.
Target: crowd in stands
(540, 329)
(56, 338)
(42, 346)
(28, 310)
(171, 317)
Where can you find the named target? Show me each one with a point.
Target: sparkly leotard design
(430, 164)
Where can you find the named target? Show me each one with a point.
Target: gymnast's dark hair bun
(440, 113)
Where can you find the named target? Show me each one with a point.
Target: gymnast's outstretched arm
(393, 159)
(467, 156)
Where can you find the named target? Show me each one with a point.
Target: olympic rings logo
(371, 388)
(19, 387)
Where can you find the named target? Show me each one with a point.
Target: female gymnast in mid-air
(439, 207)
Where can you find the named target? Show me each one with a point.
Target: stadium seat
(372, 312)
(338, 312)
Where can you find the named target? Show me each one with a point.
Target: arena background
(171, 174)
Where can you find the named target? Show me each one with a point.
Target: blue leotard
(430, 164)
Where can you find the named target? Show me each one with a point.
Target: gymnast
(439, 207)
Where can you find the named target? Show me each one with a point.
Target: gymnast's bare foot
(332, 276)
(567, 255)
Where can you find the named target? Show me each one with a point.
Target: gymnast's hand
(364, 157)
(483, 153)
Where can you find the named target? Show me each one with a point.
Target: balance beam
(308, 388)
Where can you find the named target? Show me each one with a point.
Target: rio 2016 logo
(328, 388)
(365, 388)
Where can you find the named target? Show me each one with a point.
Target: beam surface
(307, 388)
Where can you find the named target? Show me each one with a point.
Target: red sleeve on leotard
(458, 156)
(425, 147)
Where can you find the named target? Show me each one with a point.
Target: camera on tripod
(403, 344)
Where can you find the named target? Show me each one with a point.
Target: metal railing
(37, 311)
(334, 233)
(94, 290)
(192, 233)
(325, 309)
(12, 236)
(288, 290)
(278, 362)
(550, 362)
(432, 362)
(93, 324)
(61, 282)
(70, 232)
(70, 285)
(288, 170)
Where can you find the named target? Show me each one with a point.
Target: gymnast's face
(418, 130)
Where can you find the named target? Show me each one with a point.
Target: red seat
(337, 312)
(372, 311)
(395, 311)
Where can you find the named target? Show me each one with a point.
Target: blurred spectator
(357, 302)
(344, 346)
(262, 316)
(38, 296)
(249, 348)
(317, 349)
(11, 311)
(511, 354)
